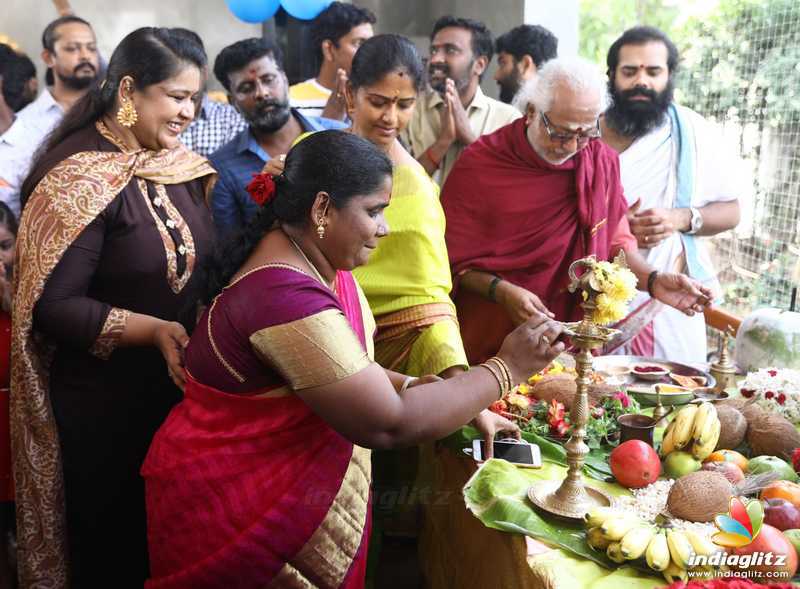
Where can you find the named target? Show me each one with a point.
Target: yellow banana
(679, 548)
(595, 539)
(702, 450)
(635, 542)
(615, 528)
(668, 442)
(701, 418)
(684, 426)
(708, 431)
(614, 553)
(702, 545)
(675, 573)
(598, 515)
(657, 553)
(703, 573)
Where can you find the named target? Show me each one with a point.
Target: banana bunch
(695, 428)
(624, 537)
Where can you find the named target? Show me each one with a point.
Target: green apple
(794, 538)
(762, 464)
(679, 463)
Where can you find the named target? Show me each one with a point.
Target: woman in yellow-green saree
(407, 280)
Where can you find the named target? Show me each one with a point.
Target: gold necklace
(310, 264)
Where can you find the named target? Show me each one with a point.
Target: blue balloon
(305, 9)
(253, 11)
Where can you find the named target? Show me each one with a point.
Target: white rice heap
(651, 501)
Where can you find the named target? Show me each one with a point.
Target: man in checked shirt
(215, 123)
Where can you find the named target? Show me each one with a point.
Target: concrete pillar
(559, 16)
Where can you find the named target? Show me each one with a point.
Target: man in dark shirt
(18, 85)
(252, 72)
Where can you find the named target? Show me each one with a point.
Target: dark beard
(509, 86)
(269, 120)
(76, 82)
(636, 118)
(461, 83)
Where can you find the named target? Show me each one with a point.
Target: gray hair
(577, 73)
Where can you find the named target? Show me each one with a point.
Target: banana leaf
(497, 495)
(596, 465)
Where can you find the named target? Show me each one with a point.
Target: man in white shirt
(455, 112)
(337, 33)
(681, 180)
(70, 51)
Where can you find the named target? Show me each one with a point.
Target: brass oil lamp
(570, 498)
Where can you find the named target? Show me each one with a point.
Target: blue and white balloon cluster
(256, 11)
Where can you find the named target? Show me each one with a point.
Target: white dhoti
(649, 171)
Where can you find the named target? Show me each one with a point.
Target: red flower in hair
(261, 188)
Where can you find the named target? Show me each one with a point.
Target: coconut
(771, 434)
(733, 427)
(699, 496)
(562, 387)
(752, 413)
(738, 403)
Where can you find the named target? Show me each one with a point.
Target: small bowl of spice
(654, 372)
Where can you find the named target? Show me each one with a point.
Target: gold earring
(127, 115)
(321, 228)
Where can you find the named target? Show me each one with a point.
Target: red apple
(781, 514)
(635, 464)
(772, 540)
(729, 470)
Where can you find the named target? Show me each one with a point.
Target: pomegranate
(772, 540)
(635, 464)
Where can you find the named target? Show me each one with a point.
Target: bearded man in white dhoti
(681, 182)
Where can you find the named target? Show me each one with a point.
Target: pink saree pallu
(255, 490)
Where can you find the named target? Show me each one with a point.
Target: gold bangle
(511, 383)
(505, 370)
(497, 377)
(498, 371)
(406, 383)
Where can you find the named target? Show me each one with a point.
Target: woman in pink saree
(260, 477)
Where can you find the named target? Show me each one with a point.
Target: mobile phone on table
(519, 453)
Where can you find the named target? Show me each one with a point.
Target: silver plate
(601, 363)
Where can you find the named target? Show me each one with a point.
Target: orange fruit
(728, 456)
(782, 490)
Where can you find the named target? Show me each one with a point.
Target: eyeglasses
(581, 137)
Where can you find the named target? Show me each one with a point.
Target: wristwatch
(697, 221)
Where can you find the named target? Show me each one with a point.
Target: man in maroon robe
(526, 201)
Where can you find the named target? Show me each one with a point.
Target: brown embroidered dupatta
(69, 197)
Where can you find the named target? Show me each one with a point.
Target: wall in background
(24, 20)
